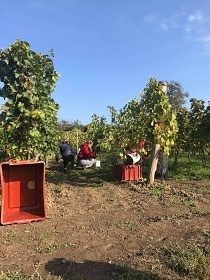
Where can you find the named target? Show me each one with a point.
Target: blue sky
(106, 50)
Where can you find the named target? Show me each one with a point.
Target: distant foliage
(101, 133)
(176, 95)
(75, 137)
(64, 125)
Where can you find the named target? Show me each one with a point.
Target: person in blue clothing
(67, 153)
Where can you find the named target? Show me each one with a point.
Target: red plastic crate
(23, 198)
(127, 172)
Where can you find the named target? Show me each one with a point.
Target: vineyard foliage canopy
(29, 115)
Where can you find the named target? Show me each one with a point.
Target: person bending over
(67, 153)
(86, 156)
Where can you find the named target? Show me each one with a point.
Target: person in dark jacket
(67, 153)
(162, 166)
(86, 156)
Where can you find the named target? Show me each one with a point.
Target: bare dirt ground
(96, 229)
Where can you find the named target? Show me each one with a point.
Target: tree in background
(29, 115)
(64, 125)
(176, 95)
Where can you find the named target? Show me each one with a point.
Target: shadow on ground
(78, 176)
(92, 270)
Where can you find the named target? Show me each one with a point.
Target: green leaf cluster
(29, 115)
(101, 133)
